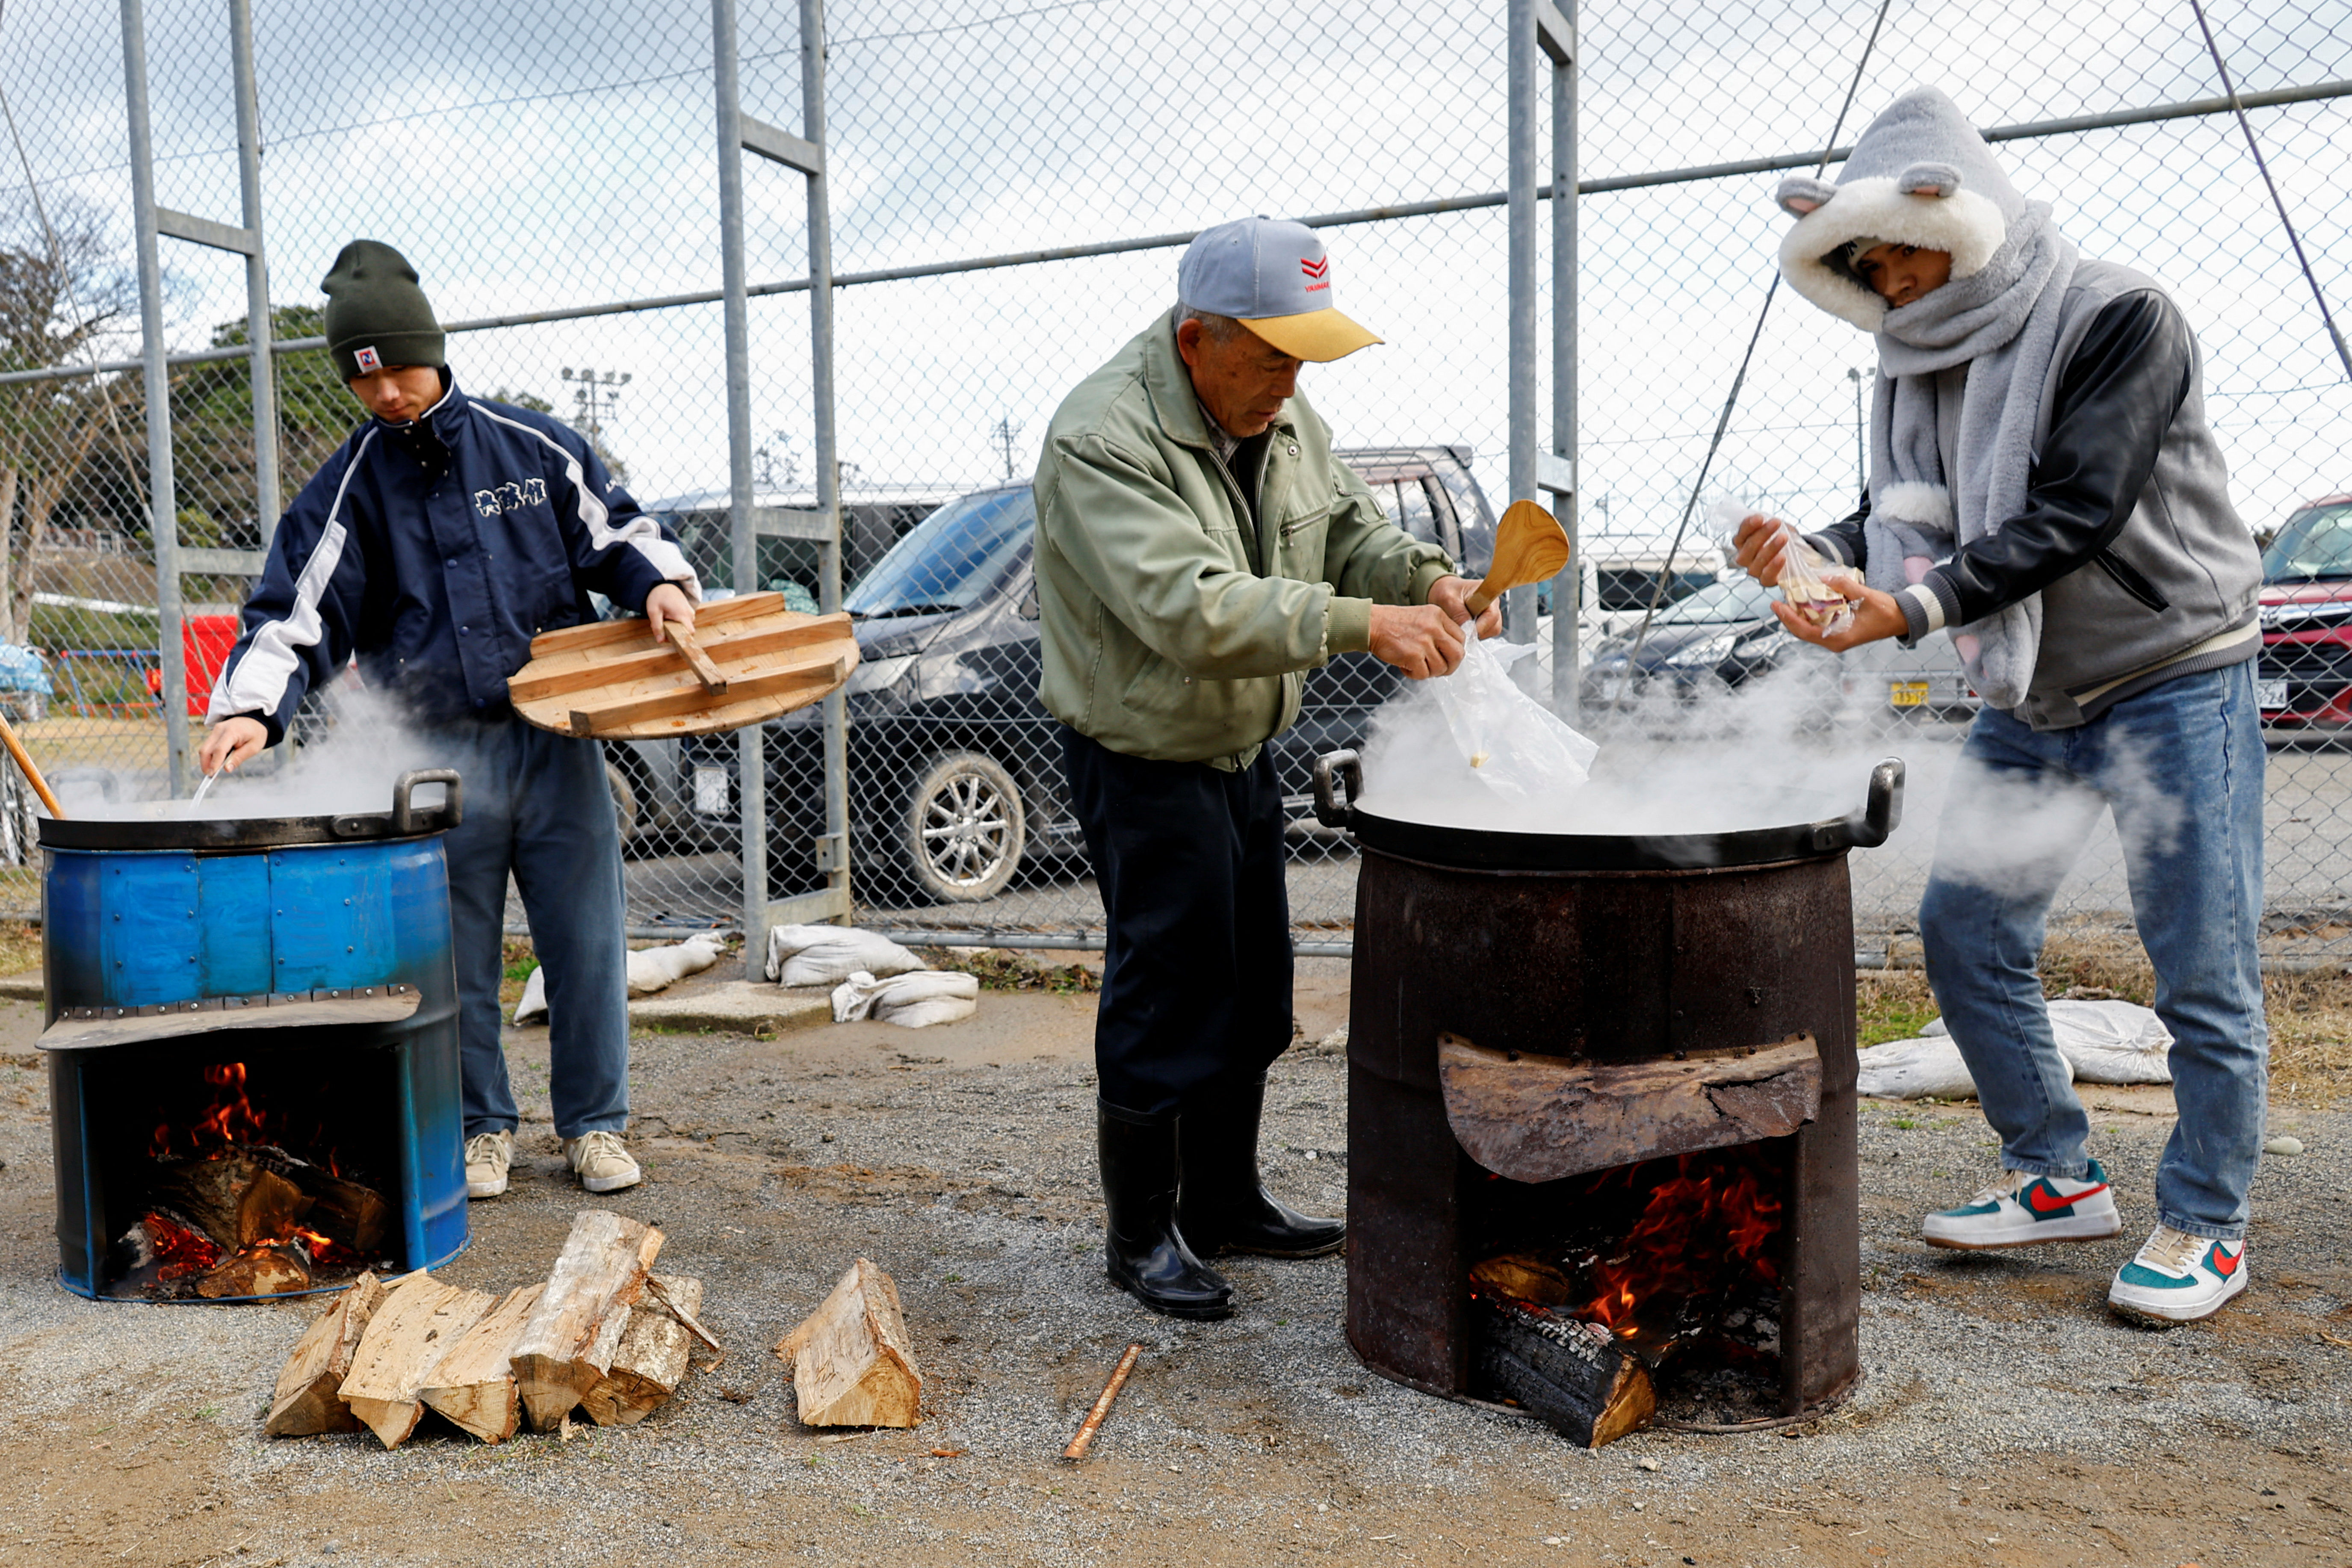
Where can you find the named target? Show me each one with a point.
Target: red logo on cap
(1321, 269)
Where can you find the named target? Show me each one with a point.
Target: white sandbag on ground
(1916, 1070)
(912, 1001)
(2106, 1042)
(656, 968)
(533, 1005)
(827, 955)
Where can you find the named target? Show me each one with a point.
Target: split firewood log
(237, 1201)
(852, 1363)
(418, 1324)
(309, 1399)
(257, 1271)
(1559, 1369)
(567, 1343)
(652, 1359)
(343, 1210)
(474, 1385)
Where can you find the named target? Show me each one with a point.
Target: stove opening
(1651, 1292)
(222, 1167)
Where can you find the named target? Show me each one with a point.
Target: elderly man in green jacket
(1199, 550)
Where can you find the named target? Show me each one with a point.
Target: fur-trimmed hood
(1919, 175)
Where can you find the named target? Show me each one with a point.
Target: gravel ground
(2006, 1418)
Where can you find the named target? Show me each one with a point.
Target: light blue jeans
(537, 806)
(2181, 766)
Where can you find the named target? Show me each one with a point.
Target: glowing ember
(179, 1251)
(1697, 1236)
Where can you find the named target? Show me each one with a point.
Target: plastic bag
(827, 955)
(1519, 749)
(1802, 569)
(910, 1001)
(2105, 1042)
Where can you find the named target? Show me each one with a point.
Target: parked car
(2305, 679)
(1925, 683)
(1721, 637)
(955, 768)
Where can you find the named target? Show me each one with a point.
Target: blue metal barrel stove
(275, 991)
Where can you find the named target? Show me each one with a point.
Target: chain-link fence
(1009, 184)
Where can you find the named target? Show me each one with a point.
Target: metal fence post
(1557, 33)
(1519, 65)
(826, 456)
(750, 759)
(257, 270)
(161, 498)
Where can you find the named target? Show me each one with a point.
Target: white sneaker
(487, 1156)
(2178, 1277)
(2023, 1209)
(603, 1162)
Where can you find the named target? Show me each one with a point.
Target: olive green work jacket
(1174, 627)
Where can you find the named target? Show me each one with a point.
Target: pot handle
(1881, 814)
(1349, 767)
(452, 811)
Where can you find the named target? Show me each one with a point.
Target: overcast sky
(528, 153)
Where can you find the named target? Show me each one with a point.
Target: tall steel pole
(1519, 62)
(827, 457)
(1568, 588)
(162, 501)
(750, 757)
(257, 269)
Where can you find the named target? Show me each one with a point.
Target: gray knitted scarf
(2002, 322)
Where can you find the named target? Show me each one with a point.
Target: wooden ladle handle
(1530, 546)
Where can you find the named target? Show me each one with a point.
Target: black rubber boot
(1145, 1252)
(1225, 1207)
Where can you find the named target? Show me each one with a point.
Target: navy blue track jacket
(435, 551)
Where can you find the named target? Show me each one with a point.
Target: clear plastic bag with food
(1515, 746)
(1803, 573)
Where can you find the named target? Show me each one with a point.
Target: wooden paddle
(1530, 546)
(32, 774)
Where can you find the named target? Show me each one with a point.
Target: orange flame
(1694, 1234)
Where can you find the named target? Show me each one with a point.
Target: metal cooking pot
(1339, 779)
(161, 825)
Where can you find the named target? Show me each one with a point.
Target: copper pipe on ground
(1093, 1423)
(32, 774)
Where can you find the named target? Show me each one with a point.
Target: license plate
(711, 789)
(2270, 694)
(1908, 693)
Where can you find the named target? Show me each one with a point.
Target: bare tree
(63, 289)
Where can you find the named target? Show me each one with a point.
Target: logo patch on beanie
(367, 359)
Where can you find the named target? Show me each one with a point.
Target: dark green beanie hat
(377, 315)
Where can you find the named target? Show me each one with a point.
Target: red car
(2305, 679)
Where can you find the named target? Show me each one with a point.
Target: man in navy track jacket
(430, 550)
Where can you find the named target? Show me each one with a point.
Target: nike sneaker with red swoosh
(2178, 1277)
(2023, 1209)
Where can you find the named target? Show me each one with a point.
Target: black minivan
(955, 768)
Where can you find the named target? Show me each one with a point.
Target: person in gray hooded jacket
(2044, 484)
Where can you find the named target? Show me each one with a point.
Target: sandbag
(912, 1001)
(656, 968)
(533, 1005)
(828, 955)
(2106, 1042)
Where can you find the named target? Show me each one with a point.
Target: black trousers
(1197, 975)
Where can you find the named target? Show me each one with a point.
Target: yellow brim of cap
(1318, 335)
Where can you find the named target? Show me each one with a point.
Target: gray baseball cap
(1272, 277)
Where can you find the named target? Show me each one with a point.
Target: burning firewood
(237, 1201)
(270, 1270)
(344, 1211)
(309, 1400)
(852, 1365)
(474, 1384)
(1569, 1373)
(567, 1344)
(419, 1323)
(652, 1358)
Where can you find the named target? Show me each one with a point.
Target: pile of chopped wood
(602, 1332)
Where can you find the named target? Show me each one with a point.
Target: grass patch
(1895, 1005)
(20, 947)
(998, 970)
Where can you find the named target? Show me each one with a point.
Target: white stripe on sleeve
(257, 684)
(642, 532)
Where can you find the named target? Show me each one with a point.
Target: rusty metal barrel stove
(1598, 959)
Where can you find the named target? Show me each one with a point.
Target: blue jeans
(2181, 766)
(537, 806)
